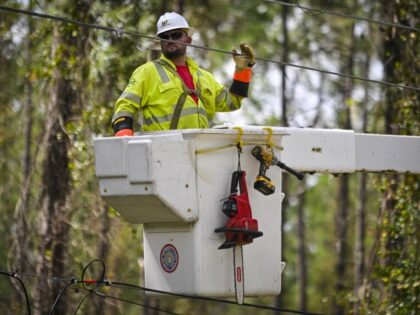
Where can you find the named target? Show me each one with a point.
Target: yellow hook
(270, 134)
(239, 139)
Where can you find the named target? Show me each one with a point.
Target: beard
(175, 53)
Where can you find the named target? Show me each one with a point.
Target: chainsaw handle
(238, 178)
(242, 184)
(234, 183)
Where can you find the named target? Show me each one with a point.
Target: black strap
(122, 123)
(181, 100)
(178, 109)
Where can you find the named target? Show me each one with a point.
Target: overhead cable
(210, 299)
(107, 296)
(119, 32)
(14, 276)
(101, 281)
(358, 18)
(70, 282)
(82, 301)
(60, 293)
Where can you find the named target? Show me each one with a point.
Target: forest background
(351, 242)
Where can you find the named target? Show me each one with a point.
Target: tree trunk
(102, 252)
(392, 58)
(55, 184)
(65, 106)
(302, 270)
(343, 194)
(359, 259)
(20, 246)
(321, 100)
(18, 255)
(399, 252)
(180, 4)
(341, 244)
(359, 264)
(284, 123)
(285, 58)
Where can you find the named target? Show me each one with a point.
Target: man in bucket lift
(173, 92)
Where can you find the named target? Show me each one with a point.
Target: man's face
(173, 50)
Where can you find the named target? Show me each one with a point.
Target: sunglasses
(174, 35)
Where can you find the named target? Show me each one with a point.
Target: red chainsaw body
(241, 228)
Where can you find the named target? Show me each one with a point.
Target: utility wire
(354, 77)
(52, 278)
(14, 275)
(209, 299)
(81, 301)
(101, 282)
(358, 18)
(105, 296)
(154, 38)
(74, 281)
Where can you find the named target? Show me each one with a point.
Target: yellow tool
(263, 183)
(267, 158)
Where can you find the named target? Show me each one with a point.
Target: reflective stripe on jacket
(155, 89)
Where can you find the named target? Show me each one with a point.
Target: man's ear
(189, 39)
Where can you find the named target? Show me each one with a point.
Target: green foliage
(99, 72)
(397, 265)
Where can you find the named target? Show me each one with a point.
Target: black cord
(133, 286)
(73, 281)
(86, 282)
(104, 296)
(97, 282)
(239, 147)
(13, 275)
(312, 12)
(358, 18)
(81, 301)
(121, 31)
(102, 281)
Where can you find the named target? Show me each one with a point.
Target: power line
(81, 301)
(101, 281)
(60, 294)
(73, 282)
(358, 18)
(154, 38)
(121, 31)
(209, 299)
(14, 275)
(350, 76)
(105, 296)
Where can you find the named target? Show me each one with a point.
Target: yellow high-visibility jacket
(164, 102)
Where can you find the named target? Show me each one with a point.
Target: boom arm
(344, 151)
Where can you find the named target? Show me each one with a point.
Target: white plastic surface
(378, 153)
(320, 150)
(202, 268)
(148, 179)
(175, 183)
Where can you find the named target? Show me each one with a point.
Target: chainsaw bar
(238, 273)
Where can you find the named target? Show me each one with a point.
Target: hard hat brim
(187, 29)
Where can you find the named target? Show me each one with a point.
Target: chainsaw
(240, 229)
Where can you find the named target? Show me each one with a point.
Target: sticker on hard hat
(169, 258)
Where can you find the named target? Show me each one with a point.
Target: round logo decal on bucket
(169, 258)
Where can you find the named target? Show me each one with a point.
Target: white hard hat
(171, 21)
